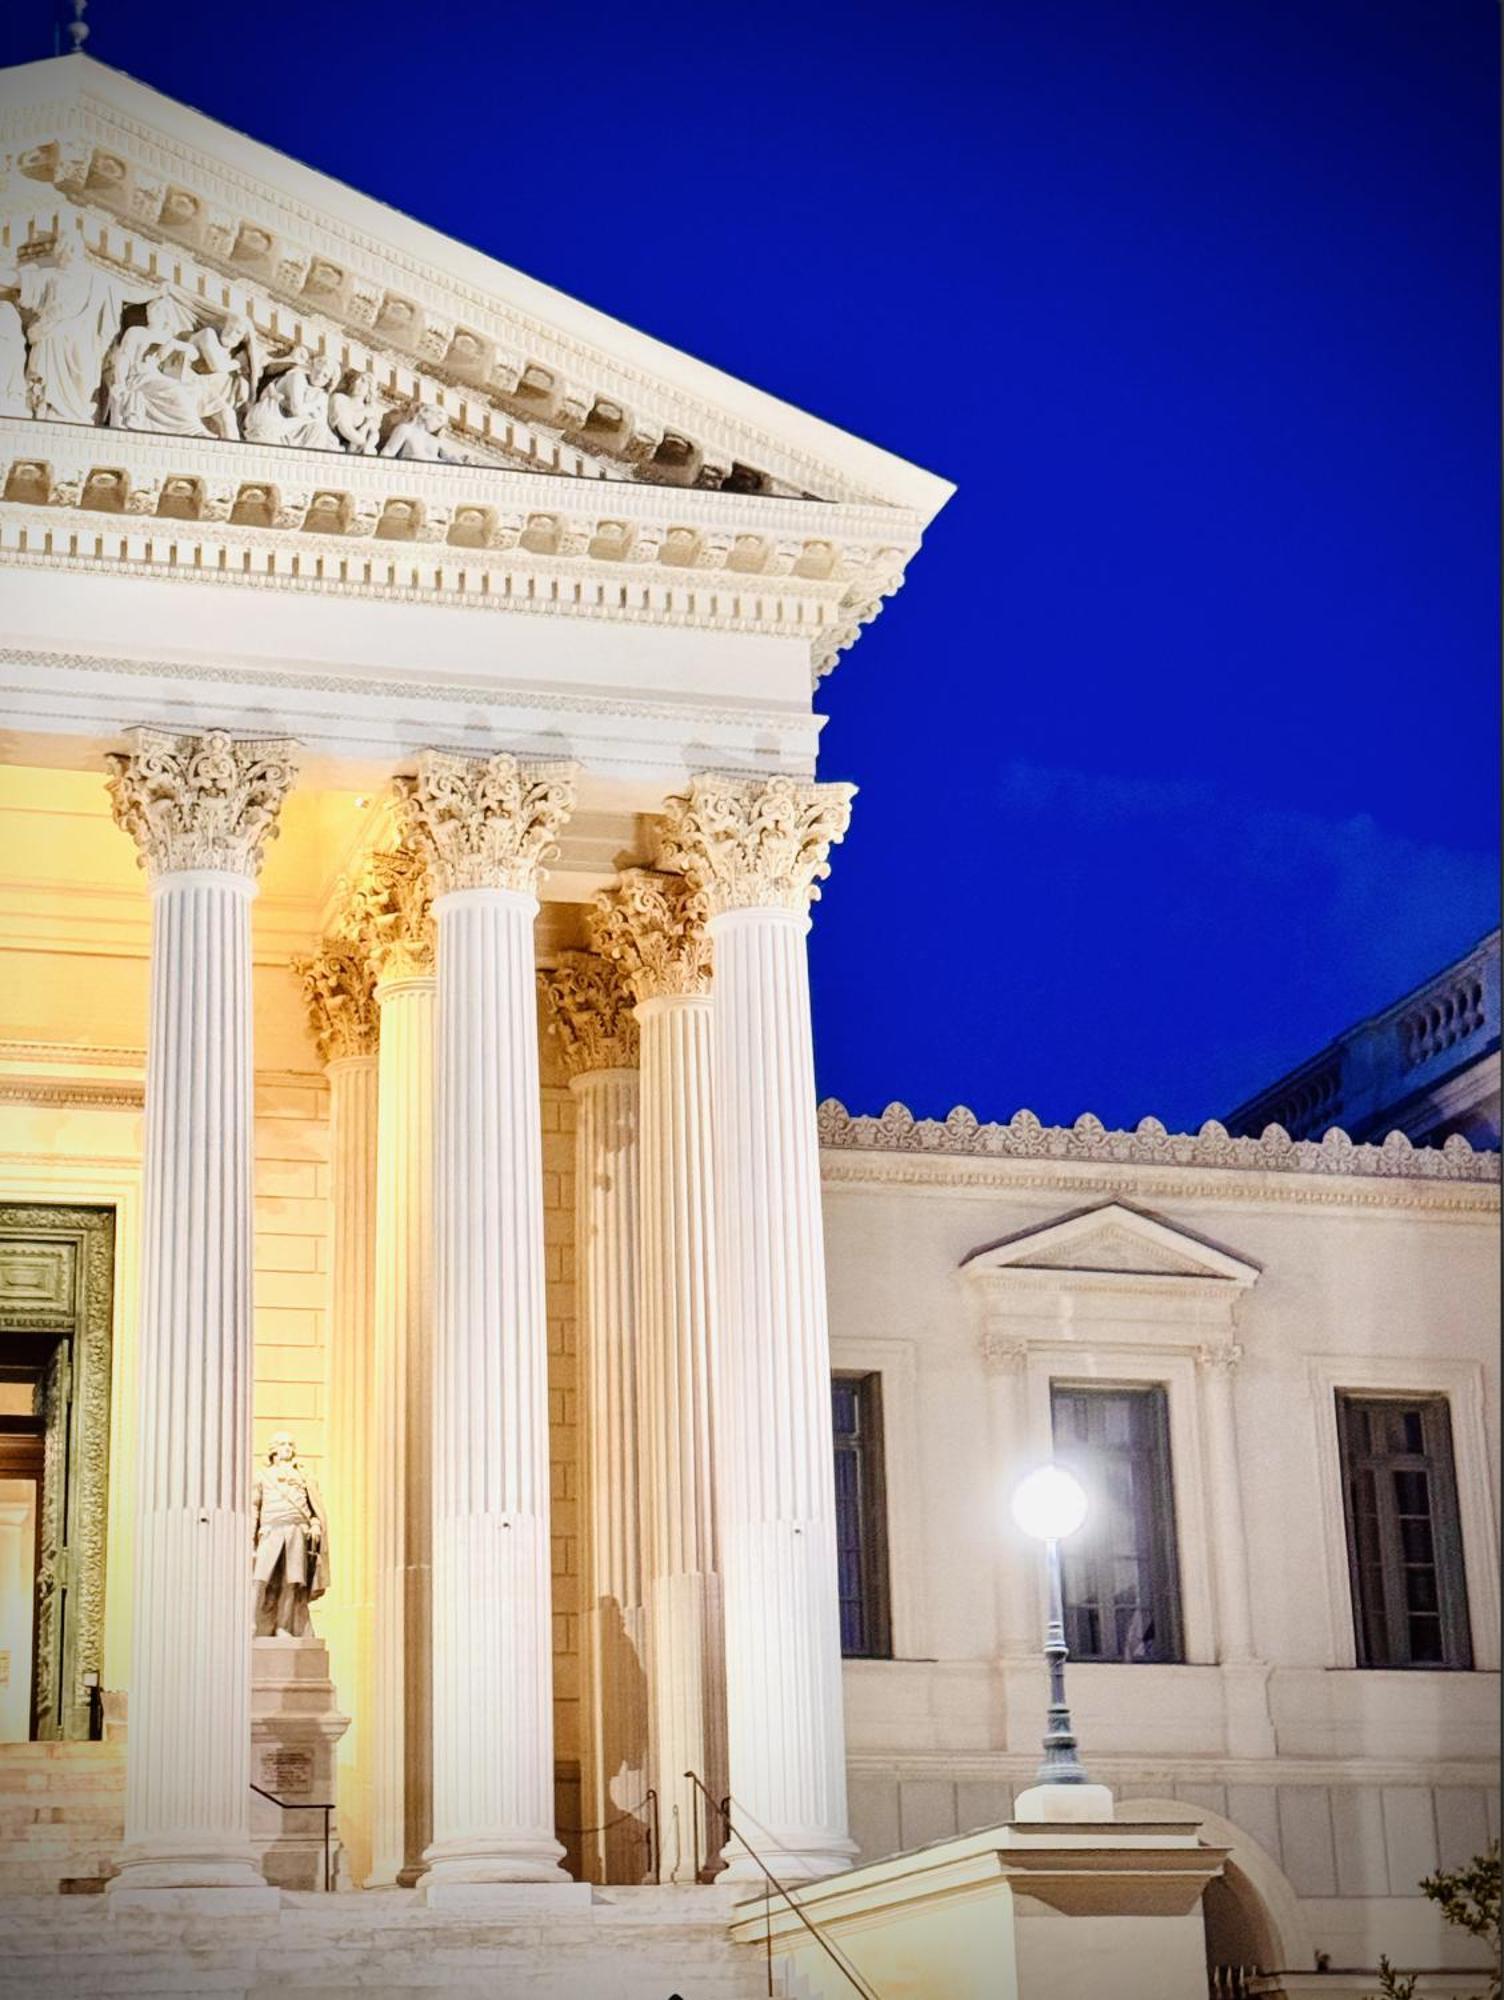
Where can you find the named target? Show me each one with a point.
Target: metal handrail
(306, 1805)
(831, 1949)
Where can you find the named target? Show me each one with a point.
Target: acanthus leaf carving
(590, 1013)
(388, 915)
(1023, 1137)
(753, 843)
(652, 924)
(339, 988)
(485, 822)
(207, 801)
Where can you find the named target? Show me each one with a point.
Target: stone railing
(1390, 1069)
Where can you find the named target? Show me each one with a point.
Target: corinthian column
(591, 1016)
(338, 985)
(390, 914)
(756, 850)
(201, 809)
(485, 825)
(653, 924)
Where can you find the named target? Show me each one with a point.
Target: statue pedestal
(295, 1726)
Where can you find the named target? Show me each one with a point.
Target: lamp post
(1049, 1505)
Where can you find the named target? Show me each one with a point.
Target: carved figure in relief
(293, 407)
(13, 397)
(420, 435)
(74, 311)
(290, 1564)
(171, 376)
(355, 415)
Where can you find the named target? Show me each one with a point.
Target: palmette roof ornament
(388, 915)
(208, 801)
(590, 1013)
(339, 987)
(1023, 1137)
(652, 925)
(754, 843)
(485, 822)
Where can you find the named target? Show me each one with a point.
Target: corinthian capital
(653, 926)
(590, 1011)
(485, 822)
(389, 914)
(339, 986)
(755, 843)
(207, 801)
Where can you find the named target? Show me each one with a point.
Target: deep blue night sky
(1197, 304)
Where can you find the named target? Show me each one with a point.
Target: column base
(488, 1865)
(162, 1878)
(806, 1864)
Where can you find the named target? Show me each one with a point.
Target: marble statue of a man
(290, 1566)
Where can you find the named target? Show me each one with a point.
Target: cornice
(962, 1134)
(959, 1153)
(476, 536)
(44, 1075)
(317, 253)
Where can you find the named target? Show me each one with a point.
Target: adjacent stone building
(409, 829)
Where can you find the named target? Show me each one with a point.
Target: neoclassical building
(409, 831)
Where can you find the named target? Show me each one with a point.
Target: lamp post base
(1054, 1803)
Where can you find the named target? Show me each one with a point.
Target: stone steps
(618, 1945)
(62, 1813)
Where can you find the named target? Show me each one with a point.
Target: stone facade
(446, 1067)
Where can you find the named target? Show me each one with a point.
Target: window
(1404, 1544)
(1122, 1594)
(861, 1517)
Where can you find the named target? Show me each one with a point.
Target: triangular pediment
(1112, 1240)
(174, 196)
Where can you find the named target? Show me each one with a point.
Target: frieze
(963, 1136)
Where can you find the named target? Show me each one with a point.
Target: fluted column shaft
(614, 1720)
(188, 1750)
(200, 809)
(493, 1661)
(677, 1316)
(349, 1619)
(777, 1484)
(401, 1747)
(483, 825)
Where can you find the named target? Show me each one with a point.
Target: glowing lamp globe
(1049, 1504)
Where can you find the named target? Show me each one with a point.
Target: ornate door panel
(56, 1303)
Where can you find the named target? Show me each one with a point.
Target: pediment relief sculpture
(81, 345)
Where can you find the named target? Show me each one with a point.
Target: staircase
(62, 1814)
(568, 1944)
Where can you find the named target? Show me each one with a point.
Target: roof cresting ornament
(78, 27)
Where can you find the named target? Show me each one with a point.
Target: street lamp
(1049, 1505)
